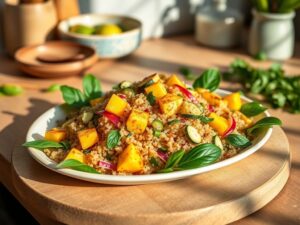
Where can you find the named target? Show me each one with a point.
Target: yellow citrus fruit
(108, 29)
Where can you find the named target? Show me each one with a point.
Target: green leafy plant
(76, 165)
(201, 155)
(278, 89)
(75, 98)
(113, 139)
(252, 109)
(265, 122)
(238, 140)
(209, 79)
(42, 144)
(276, 6)
(151, 98)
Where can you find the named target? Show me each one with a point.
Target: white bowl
(49, 118)
(107, 47)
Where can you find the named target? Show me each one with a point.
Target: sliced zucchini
(87, 116)
(128, 92)
(157, 125)
(192, 134)
(149, 80)
(217, 141)
(125, 84)
(156, 133)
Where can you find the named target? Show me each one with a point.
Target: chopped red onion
(107, 165)
(163, 156)
(231, 128)
(112, 118)
(187, 93)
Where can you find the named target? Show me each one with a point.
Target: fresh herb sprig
(280, 90)
(76, 165)
(113, 139)
(91, 90)
(199, 156)
(276, 6)
(238, 140)
(265, 122)
(43, 144)
(210, 79)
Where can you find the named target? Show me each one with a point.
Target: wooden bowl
(55, 59)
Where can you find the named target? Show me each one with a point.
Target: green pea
(53, 87)
(11, 89)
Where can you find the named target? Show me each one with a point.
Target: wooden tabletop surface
(161, 55)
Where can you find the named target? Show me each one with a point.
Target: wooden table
(162, 55)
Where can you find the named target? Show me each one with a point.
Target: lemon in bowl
(108, 29)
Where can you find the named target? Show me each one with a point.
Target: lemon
(108, 29)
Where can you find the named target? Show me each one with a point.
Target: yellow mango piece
(55, 134)
(201, 90)
(190, 108)
(234, 101)
(158, 90)
(212, 98)
(76, 154)
(220, 124)
(137, 121)
(87, 137)
(173, 80)
(116, 105)
(130, 160)
(96, 101)
(170, 104)
(246, 119)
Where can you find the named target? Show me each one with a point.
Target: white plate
(49, 118)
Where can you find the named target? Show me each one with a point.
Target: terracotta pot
(27, 24)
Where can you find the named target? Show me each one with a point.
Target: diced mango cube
(220, 124)
(116, 105)
(130, 160)
(96, 101)
(137, 121)
(246, 119)
(213, 98)
(170, 104)
(190, 108)
(55, 134)
(174, 80)
(158, 90)
(87, 137)
(76, 154)
(234, 101)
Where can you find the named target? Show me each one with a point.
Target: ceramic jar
(272, 34)
(219, 26)
(27, 24)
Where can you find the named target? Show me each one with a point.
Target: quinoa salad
(151, 126)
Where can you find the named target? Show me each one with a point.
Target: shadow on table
(21, 123)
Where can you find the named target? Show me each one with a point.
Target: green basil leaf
(238, 140)
(278, 99)
(66, 145)
(252, 109)
(11, 89)
(113, 139)
(203, 119)
(151, 98)
(265, 122)
(199, 156)
(76, 165)
(91, 87)
(210, 79)
(42, 144)
(53, 87)
(153, 161)
(73, 96)
(174, 159)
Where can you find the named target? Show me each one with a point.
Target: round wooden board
(217, 197)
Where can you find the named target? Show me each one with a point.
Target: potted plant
(272, 28)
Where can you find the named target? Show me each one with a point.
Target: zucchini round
(192, 134)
